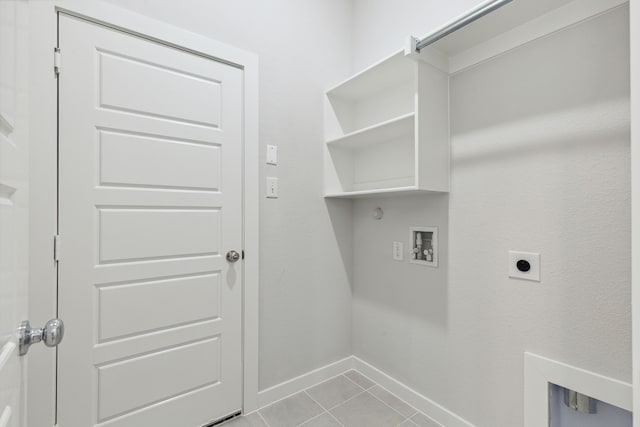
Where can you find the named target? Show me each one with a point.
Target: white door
(150, 188)
(14, 215)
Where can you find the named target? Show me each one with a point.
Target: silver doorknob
(51, 335)
(233, 256)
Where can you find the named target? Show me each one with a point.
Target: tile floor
(348, 400)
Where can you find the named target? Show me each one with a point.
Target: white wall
(540, 162)
(305, 302)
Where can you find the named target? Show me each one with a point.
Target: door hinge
(56, 248)
(56, 61)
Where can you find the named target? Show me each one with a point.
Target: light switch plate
(398, 251)
(527, 257)
(272, 187)
(272, 155)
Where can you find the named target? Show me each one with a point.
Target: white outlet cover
(533, 259)
(272, 155)
(272, 187)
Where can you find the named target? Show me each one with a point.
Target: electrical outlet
(272, 187)
(524, 265)
(398, 251)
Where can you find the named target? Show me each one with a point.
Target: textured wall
(540, 162)
(305, 296)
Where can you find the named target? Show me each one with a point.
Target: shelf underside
(387, 73)
(389, 131)
(396, 191)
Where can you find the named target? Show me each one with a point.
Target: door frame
(634, 50)
(43, 174)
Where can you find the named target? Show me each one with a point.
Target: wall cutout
(424, 246)
(605, 414)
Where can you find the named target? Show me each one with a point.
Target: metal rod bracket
(465, 20)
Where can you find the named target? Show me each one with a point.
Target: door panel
(154, 377)
(158, 98)
(126, 234)
(150, 202)
(193, 299)
(121, 156)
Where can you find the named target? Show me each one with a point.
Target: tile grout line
(300, 391)
(343, 402)
(334, 417)
(412, 424)
(262, 418)
(305, 392)
(348, 400)
(357, 385)
(376, 384)
(430, 419)
(326, 411)
(395, 410)
(365, 389)
(392, 408)
(312, 418)
(318, 403)
(427, 416)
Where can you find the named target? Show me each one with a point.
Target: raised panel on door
(152, 378)
(121, 155)
(194, 298)
(150, 202)
(128, 234)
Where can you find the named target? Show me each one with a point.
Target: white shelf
(381, 142)
(375, 147)
(395, 191)
(390, 130)
(384, 74)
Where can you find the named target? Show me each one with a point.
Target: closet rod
(460, 23)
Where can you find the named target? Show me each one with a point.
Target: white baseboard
(423, 404)
(294, 385)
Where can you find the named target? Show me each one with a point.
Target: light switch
(272, 187)
(398, 251)
(272, 155)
